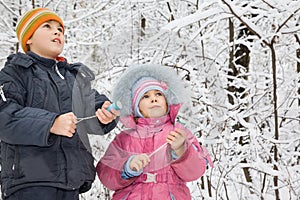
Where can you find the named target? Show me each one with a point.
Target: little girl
(155, 156)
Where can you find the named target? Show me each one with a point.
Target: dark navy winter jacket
(34, 94)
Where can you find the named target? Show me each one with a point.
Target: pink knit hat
(142, 86)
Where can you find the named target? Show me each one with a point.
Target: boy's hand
(176, 139)
(64, 125)
(138, 162)
(105, 116)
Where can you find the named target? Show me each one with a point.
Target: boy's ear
(29, 41)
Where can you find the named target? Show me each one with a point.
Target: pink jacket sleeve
(192, 164)
(111, 178)
(110, 167)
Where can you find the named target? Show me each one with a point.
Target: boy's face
(48, 40)
(153, 104)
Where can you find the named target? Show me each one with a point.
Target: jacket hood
(176, 92)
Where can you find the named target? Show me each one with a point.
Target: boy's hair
(31, 20)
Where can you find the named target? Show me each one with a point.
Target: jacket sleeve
(100, 99)
(109, 168)
(19, 124)
(91, 99)
(191, 165)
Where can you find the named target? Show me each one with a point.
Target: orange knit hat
(31, 20)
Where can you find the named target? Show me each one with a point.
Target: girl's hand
(176, 139)
(138, 162)
(105, 116)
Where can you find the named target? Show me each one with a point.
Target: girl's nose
(153, 99)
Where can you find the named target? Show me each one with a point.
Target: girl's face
(47, 40)
(153, 104)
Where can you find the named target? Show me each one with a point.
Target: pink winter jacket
(164, 178)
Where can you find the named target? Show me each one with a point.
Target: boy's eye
(46, 25)
(60, 29)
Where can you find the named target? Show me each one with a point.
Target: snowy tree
(240, 58)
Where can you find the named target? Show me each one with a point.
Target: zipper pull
(2, 93)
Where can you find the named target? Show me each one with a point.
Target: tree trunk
(298, 71)
(276, 129)
(298, 65)
(239, 53)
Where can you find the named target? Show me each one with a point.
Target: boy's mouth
(56, 40)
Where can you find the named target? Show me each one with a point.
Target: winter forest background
(241, 58)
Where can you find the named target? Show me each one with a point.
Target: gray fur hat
(176, 91)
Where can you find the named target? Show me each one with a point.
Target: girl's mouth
(155, 107)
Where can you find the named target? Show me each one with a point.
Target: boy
(44, 147)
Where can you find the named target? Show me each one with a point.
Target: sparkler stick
(156, 150)
(116, 106)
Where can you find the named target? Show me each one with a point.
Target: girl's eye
(159, 94)
(145, 96)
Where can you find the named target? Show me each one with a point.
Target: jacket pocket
(10, 161)
(40, 163)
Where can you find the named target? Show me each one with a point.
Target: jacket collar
(26, 60)
(148, 127)
(44, 61)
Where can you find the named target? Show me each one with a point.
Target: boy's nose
(57, 32)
